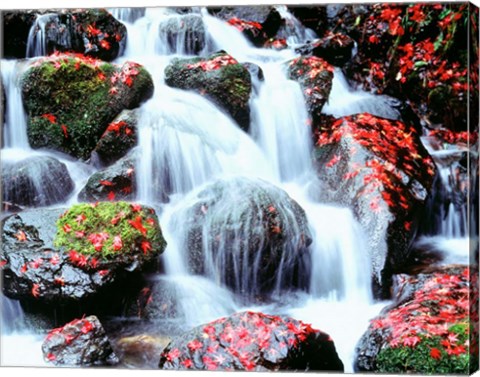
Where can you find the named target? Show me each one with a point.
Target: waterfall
(15, 127)
(12, 317)
(37, 36)
(344, 100)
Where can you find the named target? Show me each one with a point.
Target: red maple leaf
(111, 196)
(67, 228)
(187, 363)
(21, 236)
(80, 219)
(435, 353)
(2, 263)
(87, 327)
(146, 246)
(64, 130)
(105, 44)
(117, 243)
(137, 224)
(194, 345)
(35, 290)
(50, 117)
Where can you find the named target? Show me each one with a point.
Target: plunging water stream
(186, 143)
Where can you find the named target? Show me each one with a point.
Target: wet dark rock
(315, 78)
(380, 169)
(242, 232)
(70, 100)
(183, 34)
(312, 17)
(16, 26)
(35, 270)
(35, 181)
(118, 139)
(220, 78)
(93, 32)
(252, 342)
(116, 182)
(255, 70)
(336, 49)
(80, 342)
(430, 312)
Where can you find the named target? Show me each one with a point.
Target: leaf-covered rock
(220, 78)
(252, 342)
(118, 139)
(35, 181)
(426, 330)
(92, 32)
(115, 182)
(380, 169)
(81, 342)
(183, 34)
(70, 100)
(335, 48)
(85, 252)
(315, 78)
(247, 234)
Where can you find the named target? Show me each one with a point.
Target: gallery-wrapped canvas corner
(253, 188)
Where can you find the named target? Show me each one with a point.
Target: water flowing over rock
(116, 182)
(252, 342)
(37, 268)
(118, 139)
(93, 32)
(184, 34)
(71, 99)
(247, 234)
(380, 169)
(80, 342)
(35, 181)
(16, 24)
(425, 330)
(315, 77)
(220, 78)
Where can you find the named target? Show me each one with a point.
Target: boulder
(247, 234)
(115, 182)
(313, 17)
(140, 351)
(71, 99)
(426, 329)
(88, 249)
(251, 341)
(315, 78)
(220, 78)
(183, 34)
(118, 139)
(35, 181)
(80, 342)
(92, 32)
(380, 169)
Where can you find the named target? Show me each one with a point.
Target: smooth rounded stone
(81, 342)
(36, 181)
(251, 341)
(247, 234)
(140, 351)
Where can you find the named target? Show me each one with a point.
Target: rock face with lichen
(71, 99)
(379, 169)
(80, 342)
(251, 341)
(220, 78)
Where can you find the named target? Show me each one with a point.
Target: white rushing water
(187, 142)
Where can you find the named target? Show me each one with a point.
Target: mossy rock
(220, 78)
(110, 231)
(71, 99)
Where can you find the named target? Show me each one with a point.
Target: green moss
(77, 91)
(96, 229)
(429, 356)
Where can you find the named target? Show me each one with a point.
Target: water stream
(186, 142)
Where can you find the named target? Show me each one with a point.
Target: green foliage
(108, 229)
(432, 355)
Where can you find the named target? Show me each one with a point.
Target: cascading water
(37, 37)
(187, 143)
